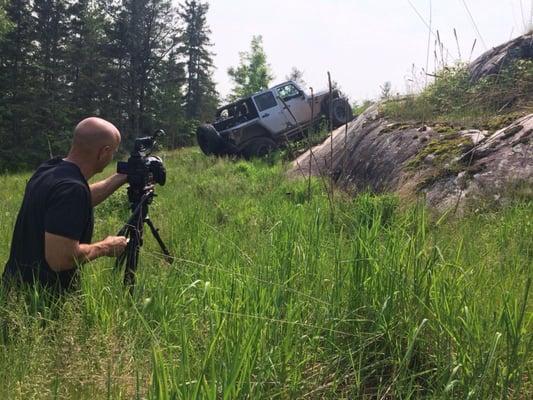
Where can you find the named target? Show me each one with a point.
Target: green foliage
(62, 61)
(358, 109)
(313, 136)
(5, 24)
(141, 37)
(278, 293)
(385, 91)
(17, 93)
(201, 97)
(253, 73)
(167, 103)
(453, 98)
(441, 150)
(447, 94)
(89, 67)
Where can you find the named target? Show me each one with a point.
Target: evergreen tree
(253, 73)
(88, 67)
(386, 89)
(51, 111)
(168, 100)
(5, 24)
(141, 36)
(201, 96)
(63, 60)
(16, 89)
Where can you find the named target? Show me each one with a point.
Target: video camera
(143, 169)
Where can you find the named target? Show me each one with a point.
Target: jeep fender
(252, 132)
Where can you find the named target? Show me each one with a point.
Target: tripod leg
(119, 261)
(134, 229)
(131, 265)
(132, 256)
(155, 232)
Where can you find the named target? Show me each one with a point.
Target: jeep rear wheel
(209, 140)
(341, 112)
(259, 147)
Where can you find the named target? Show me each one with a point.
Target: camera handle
(134, 230)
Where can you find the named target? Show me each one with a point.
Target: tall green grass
(275, 294)
(490, 103)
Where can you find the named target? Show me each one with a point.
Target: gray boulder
(448, 166)
(492, 61)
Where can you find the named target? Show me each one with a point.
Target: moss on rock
(440, 151)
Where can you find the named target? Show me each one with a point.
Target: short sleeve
(67, 211)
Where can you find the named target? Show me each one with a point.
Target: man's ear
(103, 151)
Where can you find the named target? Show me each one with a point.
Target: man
(54, 227)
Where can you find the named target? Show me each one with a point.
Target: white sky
(363, 43)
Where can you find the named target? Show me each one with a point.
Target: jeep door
(271, 113)
(296, 102)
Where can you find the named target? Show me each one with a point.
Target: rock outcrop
(494, 60)
(449, 164)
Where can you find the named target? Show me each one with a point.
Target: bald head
(94, 143)
(93, 132)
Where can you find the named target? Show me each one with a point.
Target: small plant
(358, 109)
(453, 98)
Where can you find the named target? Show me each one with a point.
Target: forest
(144, 65)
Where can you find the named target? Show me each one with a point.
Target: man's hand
(62, 253)
(114, 245)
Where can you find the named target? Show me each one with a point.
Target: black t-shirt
(57, 200)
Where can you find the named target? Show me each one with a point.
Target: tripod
(133, 230)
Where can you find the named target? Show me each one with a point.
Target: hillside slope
(419, 145)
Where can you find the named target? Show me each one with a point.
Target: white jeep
(256, 125)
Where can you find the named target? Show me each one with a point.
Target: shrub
(453, 97)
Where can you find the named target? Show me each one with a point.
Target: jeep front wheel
(259, 147)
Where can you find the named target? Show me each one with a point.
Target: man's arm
(103, 189)
(62, 253)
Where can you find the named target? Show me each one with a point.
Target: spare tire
(209, 140)
(341, 112)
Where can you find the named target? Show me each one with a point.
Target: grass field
(277, 295)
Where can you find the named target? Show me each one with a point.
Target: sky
(362, 43)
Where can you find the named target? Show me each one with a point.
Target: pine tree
(63, 60)
(253, 73)
(5, 23)
(142, 35)
(88, 67)
(51, 111)
(168, 100)
(201, 96)
(385, 91)
(16, 89)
